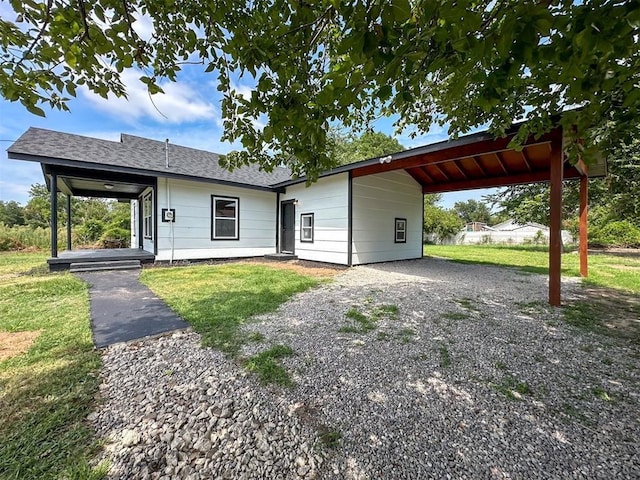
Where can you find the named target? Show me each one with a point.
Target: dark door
(288, 220)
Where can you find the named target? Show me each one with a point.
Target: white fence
(509, 238)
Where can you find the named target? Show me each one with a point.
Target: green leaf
(36, 110)
(401, 10)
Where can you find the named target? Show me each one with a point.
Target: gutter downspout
(171, 234)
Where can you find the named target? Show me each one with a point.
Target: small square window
(225, 218)
(306, 227)
(401, 230)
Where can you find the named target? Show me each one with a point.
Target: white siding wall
(377, 200)
(328, 200)
(192, 227)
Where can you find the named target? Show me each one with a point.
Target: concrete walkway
(123, 309)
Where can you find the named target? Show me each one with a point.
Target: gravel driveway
(417, 369)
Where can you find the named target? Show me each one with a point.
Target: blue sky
(190, 116)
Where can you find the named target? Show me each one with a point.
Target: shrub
(8, 244)
(20, 237)
(115, 237)
(90, 231)
(616, 234)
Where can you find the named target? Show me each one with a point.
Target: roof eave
(13, 155)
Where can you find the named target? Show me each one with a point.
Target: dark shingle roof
(139, 153)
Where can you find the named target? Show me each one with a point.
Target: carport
(482, 161)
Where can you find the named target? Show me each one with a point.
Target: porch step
(282, 257)
(101, 266)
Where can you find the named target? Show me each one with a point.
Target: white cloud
(203, 138)
(16, 179)
(144, 26)
(181, 103)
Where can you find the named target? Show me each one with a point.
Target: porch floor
(66, 257)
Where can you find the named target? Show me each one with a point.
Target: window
(147, 216)
(401, 230)
(225, 216)
(306, 227)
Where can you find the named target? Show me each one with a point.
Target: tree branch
(307, 25)
(36, 40)
(83, 15)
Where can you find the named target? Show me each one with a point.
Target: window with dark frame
(306, 227)
(147, 216)
(401, 230)
(225, 213)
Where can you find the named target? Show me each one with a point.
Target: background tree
(438, 221)
(613, 199)
(473, 211)
(464, 64)
(11, 213)
(350, 148)
(37, 211)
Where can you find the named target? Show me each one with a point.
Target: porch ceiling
(97, 183)
(482, 163)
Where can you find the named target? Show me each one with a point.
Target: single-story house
(185, 206)
(509, 231)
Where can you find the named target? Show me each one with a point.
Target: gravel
(474, 376)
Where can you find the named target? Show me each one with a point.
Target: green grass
(267, 366)
(445, 356)
(217, 300)
(47, 391)
(21, 263)
(330, 438)
(365, 322)
(512, 388)
(468, 303)
(455, 315)
(611, 271)
(361, 323)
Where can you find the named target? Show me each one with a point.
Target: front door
(288, 226)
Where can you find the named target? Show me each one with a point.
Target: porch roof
(86, 164)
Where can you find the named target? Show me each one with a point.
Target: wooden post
(555, 224)
(69, 222)
(584, 241)
(54, 215)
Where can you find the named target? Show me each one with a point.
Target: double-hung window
(306, 227)
(225, 214)
(401, 230)
(147, 215)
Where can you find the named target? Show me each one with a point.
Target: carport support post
(584, 241)
(68, 222)
(555, 224)
(54, 215)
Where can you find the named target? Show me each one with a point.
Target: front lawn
(48, 372)
(218, 299)
(612, 271)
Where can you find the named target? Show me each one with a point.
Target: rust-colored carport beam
(485, 147)
(488, 182)
(555, 224)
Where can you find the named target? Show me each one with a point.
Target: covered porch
(97, 183)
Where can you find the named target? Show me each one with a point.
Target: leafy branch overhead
(344, 63)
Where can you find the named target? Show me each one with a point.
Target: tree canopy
(615, 197)
(315, 64)
(349, 148)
